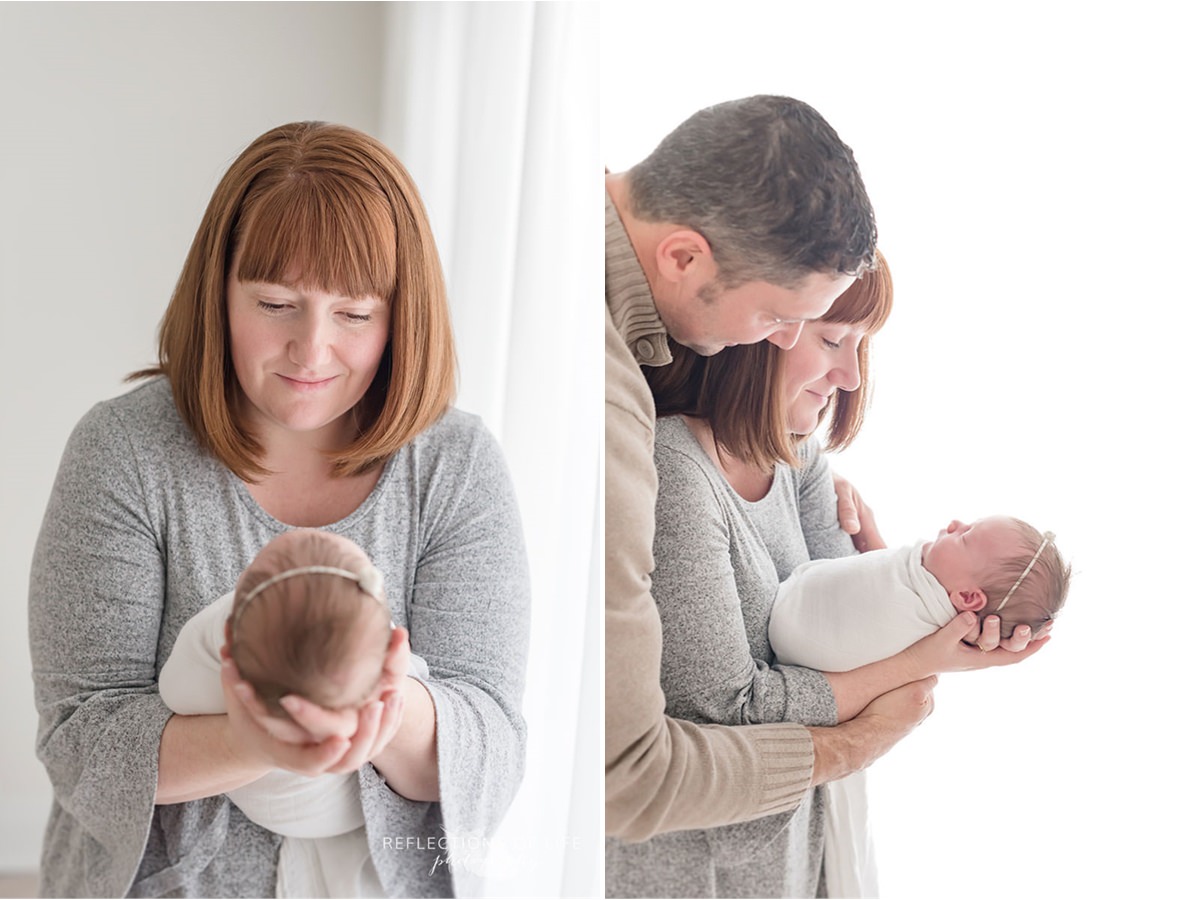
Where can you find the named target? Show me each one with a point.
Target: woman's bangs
(864, 303)
(867, 302)
(329, 237)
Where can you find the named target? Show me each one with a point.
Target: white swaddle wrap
(838, 614)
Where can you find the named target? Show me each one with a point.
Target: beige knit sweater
(662, 774)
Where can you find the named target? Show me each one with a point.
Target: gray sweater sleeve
(468, 616)
(95, 601)
(706, 558)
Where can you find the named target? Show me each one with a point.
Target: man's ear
(973, 600)
(684, 254)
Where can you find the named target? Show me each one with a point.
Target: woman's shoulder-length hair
(739, 391)
(337, 206)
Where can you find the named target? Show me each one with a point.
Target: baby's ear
(972, 600)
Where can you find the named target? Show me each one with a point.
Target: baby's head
(322, 635)
(979, 564)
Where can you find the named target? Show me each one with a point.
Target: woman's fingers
(312, 759)
(319, 740)
(389, 724)
(257, 736)
(1005, 657)
(318, 721)
(856, 518)
(358, 749)
(395, 661)
(1019, 640)
(989, 635)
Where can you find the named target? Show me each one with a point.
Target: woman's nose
(309, 345)
(847, 375)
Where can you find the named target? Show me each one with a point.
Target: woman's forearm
(409, 763)
(196, 759)
(853, 690)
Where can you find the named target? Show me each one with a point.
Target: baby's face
(961, 554)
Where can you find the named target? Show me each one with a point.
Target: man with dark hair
(747, 220)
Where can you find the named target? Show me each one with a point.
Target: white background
(116, 122)
(1034, 178)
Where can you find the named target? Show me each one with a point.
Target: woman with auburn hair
(743, 498)
(306, 371)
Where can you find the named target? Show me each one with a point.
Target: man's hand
(854, 745)
(856, 518)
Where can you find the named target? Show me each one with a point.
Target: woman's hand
(988, 637)
(946, 651)
(257, 737)
(855, 517)
(374, 724)
(317, 741)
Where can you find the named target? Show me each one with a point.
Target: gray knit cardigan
(719, 560)
(143, 529)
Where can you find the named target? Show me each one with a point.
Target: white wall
(116, 122)
(1033, 173)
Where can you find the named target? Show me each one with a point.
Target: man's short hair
(769, 185)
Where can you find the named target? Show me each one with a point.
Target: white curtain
(492, 109)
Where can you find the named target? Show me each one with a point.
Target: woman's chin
(802, 426)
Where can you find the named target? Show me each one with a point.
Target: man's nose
(785, 337)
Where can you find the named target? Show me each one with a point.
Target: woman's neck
(748, 481)
(312, 497)
(302, 489)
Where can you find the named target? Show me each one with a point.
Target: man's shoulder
(625, 386)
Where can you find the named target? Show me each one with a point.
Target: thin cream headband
(1047, 537)
(369, 579)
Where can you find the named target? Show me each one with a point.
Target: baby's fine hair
(1040, 595)
(304, 634)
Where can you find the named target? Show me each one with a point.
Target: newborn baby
(308, 617)
(839, 614)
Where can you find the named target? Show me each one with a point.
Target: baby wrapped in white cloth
(834, 615)
(308, 617)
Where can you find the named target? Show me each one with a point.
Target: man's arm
(854, 745)
(662, 774)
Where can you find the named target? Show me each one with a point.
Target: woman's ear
(973, 600)
(684, 254)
